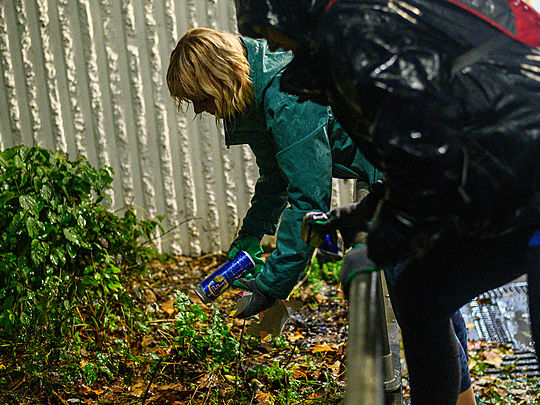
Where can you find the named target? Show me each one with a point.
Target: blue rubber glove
(251, 245)
(258, 301)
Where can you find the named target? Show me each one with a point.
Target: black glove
(390, 239)
(258, 301)
(350, 220)
(356, 216)
(355, 262)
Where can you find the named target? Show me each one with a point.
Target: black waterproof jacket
(442, 97)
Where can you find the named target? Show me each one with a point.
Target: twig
(238, 356)
(291, 355)
(197, 389)
(59, 397)
(170, 230)
(161, 320)
(151, 380)
(194, 393)
(208, 393)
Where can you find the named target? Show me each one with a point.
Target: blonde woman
(298, 148)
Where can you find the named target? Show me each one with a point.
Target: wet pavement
(501, 315)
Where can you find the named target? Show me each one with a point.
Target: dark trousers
(431, 288)
(458, 323)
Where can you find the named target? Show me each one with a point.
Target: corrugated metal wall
(88, 77)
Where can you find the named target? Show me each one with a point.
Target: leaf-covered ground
(186, 352)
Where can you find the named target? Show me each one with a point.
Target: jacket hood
(264, 65)
(295, 18)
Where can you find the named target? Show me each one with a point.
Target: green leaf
(71, 251)
(28, 203)
(6, 197)
(72, 236)
(3, 161)
(58, 256)
(81, 221)
(19, 163)
(33, 227)
(90, 372)
(38, 252)
(46, 192)
(16, 222)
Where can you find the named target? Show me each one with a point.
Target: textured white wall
(88, 77)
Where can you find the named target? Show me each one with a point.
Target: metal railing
(371, 374)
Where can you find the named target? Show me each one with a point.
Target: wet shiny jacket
(298, 149)
(442, 96)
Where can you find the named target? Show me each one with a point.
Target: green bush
(63, 255)
(201, 337)
(328, 272)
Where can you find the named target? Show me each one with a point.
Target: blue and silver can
(221, 279)
(535, 240)
(330, 249)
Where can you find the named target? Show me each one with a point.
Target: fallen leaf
(265, 398)
(299, 373)
(166, 387)
(335, 368)
(138, 389)
(493, 358)
(321, 348)
(146, 341)
(208, 380)
(320, 298)
(317, 394)
(149, 296)
(93, 391)
(293, 337)
(168, 307)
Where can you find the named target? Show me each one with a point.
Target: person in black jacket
(444, 99)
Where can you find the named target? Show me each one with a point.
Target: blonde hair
(210, 63)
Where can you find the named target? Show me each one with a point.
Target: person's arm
(348, 162)
(304, 159)
(267, 204)
(270, 195)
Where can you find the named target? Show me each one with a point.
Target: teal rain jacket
(298, 147)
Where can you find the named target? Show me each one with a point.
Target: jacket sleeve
(347, 160)
(304, 159)
(270, 196)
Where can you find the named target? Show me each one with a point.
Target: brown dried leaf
(168, 307)
(320, 298)
(293, 337)
(335, 368)
(149, 296)
(299, 373)
(321, 348)
(493, 358)
(138, 389)
(265, 398)
(147, 341)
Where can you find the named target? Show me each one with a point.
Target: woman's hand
(251, 245)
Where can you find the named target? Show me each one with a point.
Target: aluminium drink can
(330, 248)
(220, 280)
(535, 240)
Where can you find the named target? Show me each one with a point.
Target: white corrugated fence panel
(88, 77)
